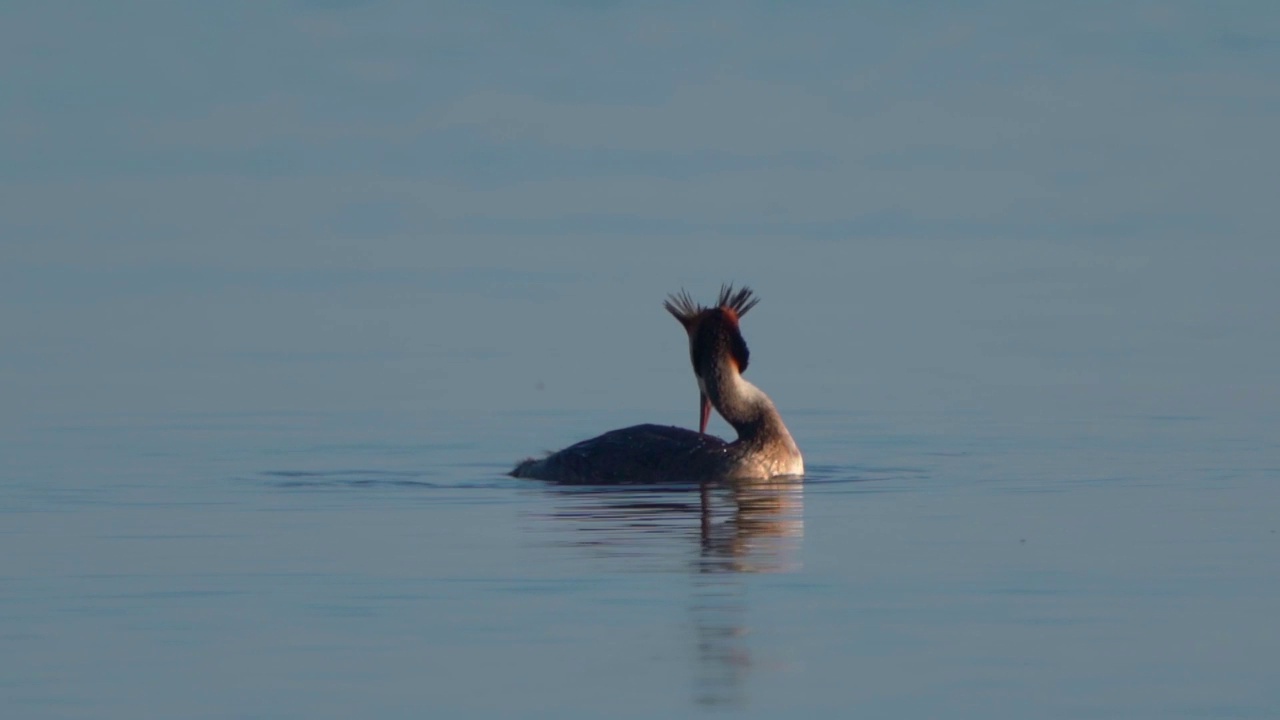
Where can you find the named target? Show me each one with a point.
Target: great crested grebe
(660, 453)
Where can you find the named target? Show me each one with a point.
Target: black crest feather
(739, 301)
(683, 308)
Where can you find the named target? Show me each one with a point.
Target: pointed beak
(705, 410)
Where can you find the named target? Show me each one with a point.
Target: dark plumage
(636, 454)
(713, 328)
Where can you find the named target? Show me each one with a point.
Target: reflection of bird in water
(737, 528)
(658, 453)
(760, 534)
(743, 526)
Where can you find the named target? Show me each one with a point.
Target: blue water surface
(329, 565)
(286, 289)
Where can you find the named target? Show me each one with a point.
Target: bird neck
(746, 407)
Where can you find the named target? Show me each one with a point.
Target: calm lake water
(286, 288)
(333, 565)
